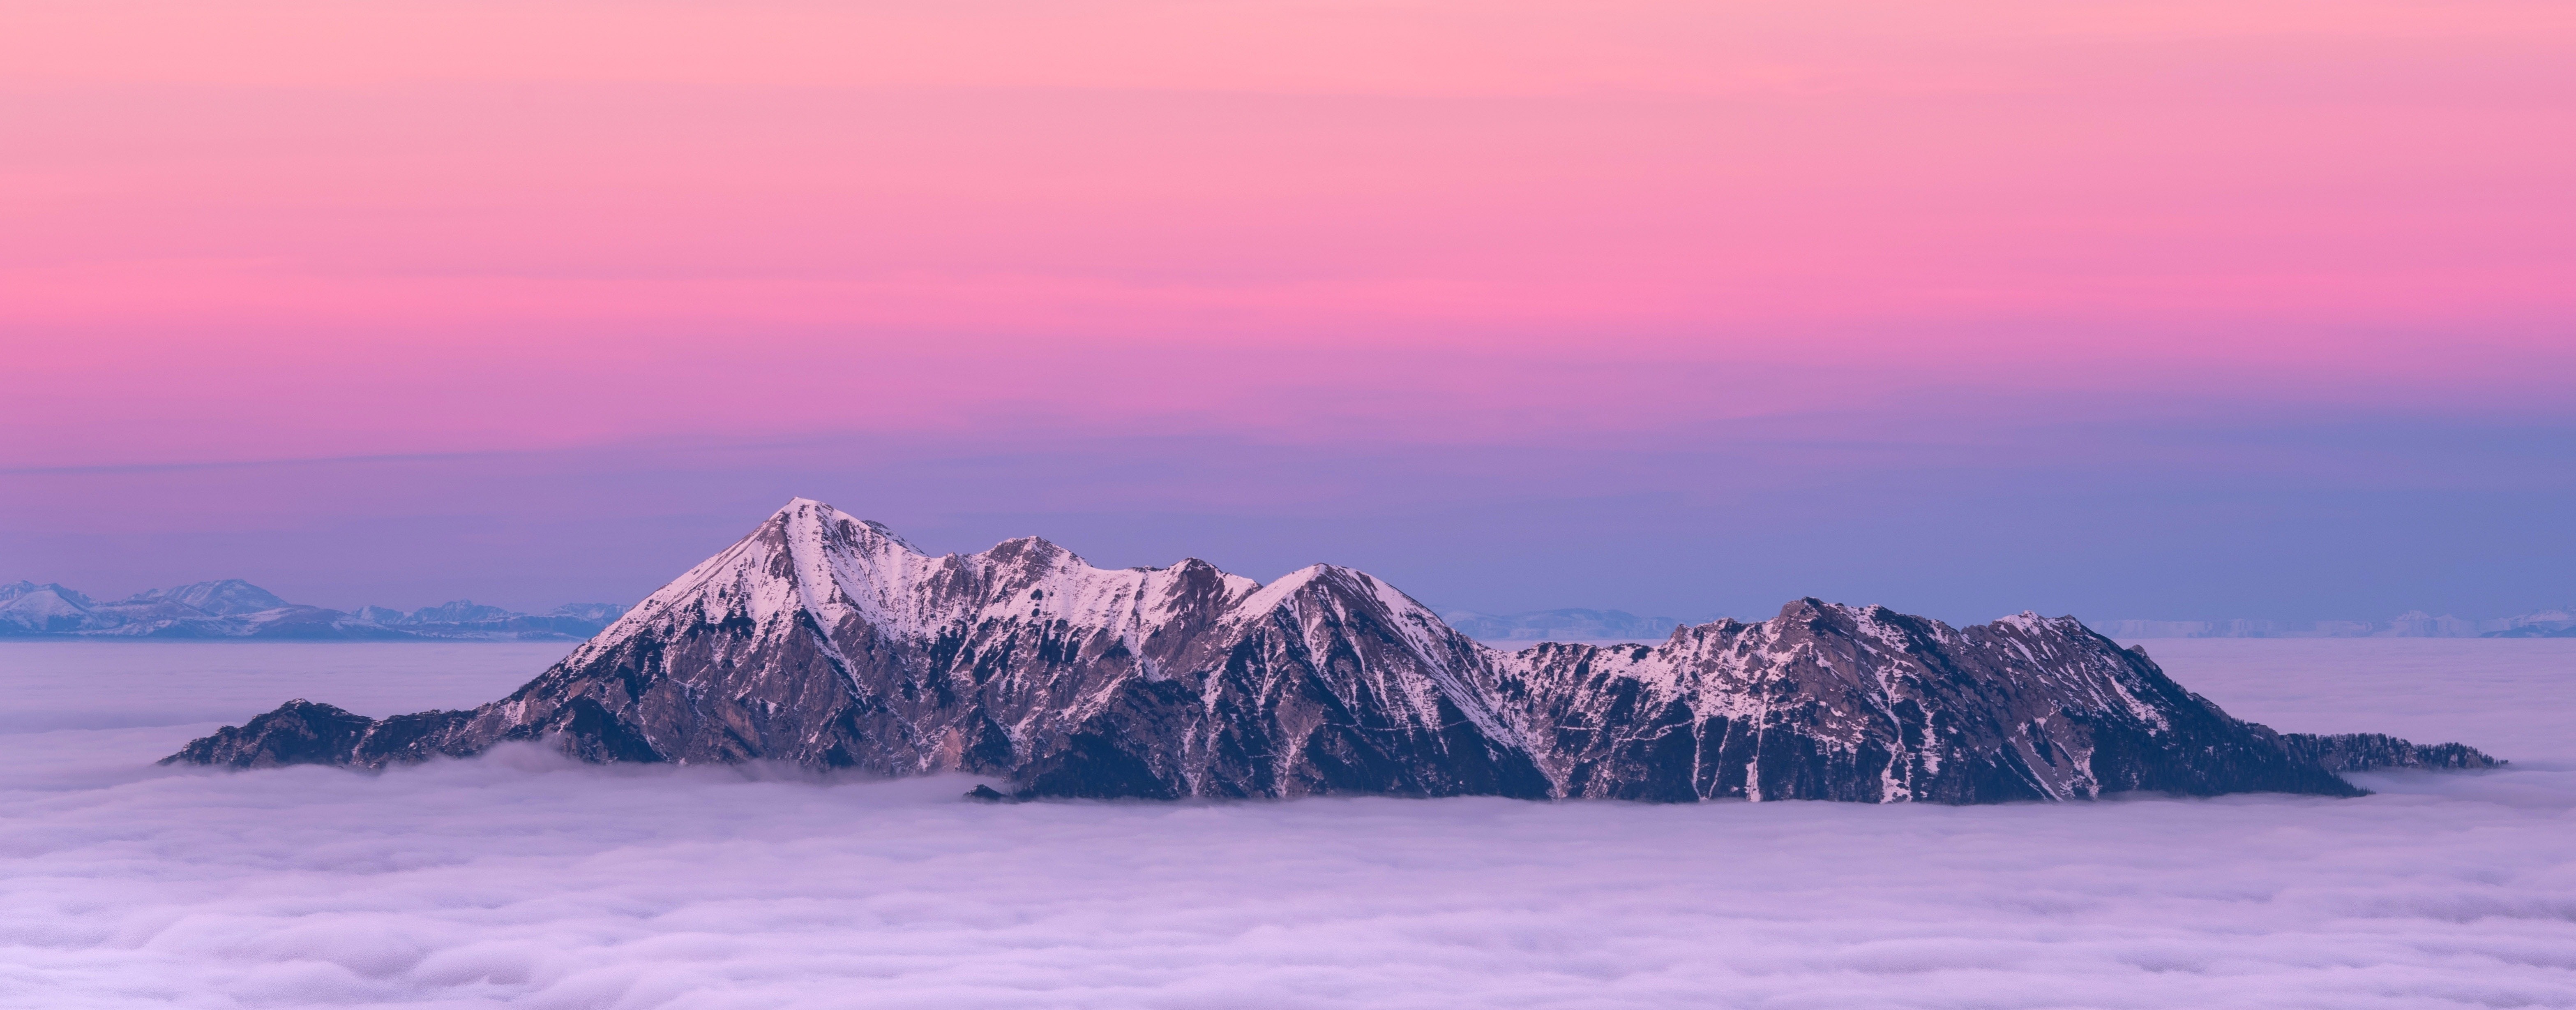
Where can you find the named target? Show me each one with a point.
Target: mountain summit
(223, 598)
(826, 640)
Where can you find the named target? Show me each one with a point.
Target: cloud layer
(518, 879)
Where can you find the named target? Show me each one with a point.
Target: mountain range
(825, 640)
(2559, 622)
(232, 608)
(1608, 626)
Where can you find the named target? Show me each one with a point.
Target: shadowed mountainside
(825, 640)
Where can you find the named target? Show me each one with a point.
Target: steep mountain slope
(1849, 703)
(825, 640)
(828, 641)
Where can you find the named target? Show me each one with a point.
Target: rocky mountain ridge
(233, 608)
(825, 640)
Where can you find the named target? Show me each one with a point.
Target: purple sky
(2247, 516)
(2128, 309)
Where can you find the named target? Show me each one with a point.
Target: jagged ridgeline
(827, 641)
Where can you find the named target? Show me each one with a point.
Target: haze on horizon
(2161, 310)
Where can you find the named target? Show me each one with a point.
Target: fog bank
(522, 880)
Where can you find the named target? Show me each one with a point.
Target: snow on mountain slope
(826, 640)
(1840, 702)
(30, 609)
(223, 598)
(814, 562)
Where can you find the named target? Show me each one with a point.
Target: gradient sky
(2123, 309)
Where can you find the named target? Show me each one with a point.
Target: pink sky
(283, 230)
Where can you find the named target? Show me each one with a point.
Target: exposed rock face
(296, 733)
(1843, 703)
(827, 641)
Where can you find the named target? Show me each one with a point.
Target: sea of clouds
(519, 879)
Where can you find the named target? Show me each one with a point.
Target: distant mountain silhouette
(232, 608)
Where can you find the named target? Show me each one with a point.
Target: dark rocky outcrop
(826, 641)
(2362, 752)
(299, 732)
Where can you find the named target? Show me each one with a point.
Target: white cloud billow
(520, 879)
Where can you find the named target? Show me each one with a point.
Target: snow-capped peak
(824, 639)
(222, 597)
(826, 564)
